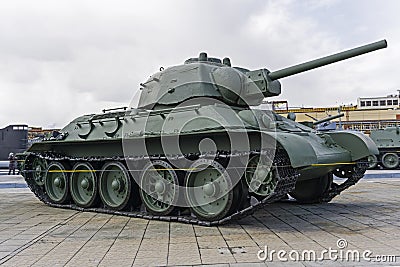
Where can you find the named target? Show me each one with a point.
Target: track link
(357, 172)
(286, 183)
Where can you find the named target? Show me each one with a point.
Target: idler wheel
(390, 160)
(83, 185)
(310, 191)
(39, 167)
(209, 190)
(159, 187)
(56, 183)
(115, 185)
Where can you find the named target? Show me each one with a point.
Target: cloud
(62, 59)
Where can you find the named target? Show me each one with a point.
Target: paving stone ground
(367, 217)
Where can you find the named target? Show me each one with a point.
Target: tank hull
(299, 154)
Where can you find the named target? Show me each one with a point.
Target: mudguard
(300, 151)
(359, 145)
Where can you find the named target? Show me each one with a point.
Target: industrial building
(13, 139)
(369, 113)
(18, 137)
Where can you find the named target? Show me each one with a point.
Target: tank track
(286, 183)
(357, 172)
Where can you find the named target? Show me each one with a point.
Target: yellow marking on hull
(72, 171)
(332, 164)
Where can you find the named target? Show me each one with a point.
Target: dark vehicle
(13, 139)
(194, 150)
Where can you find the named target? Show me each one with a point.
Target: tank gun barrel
(328, 118)
(316, 63)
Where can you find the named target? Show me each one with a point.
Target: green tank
(388, 142)
(197, 148)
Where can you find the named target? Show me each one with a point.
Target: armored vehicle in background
(194, 150)
(388, 142)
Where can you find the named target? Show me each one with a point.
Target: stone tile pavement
(367, 217)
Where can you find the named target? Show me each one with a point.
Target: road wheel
(390, 160)
(159, 187)
(115, 185)
(372, 162)
(209, 190)
(261, 177)
(56, 183)
(84, 185)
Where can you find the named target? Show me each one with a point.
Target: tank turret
(213, 78)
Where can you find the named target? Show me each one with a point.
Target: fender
(300, 152)
(359, 145)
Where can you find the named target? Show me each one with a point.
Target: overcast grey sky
(61, 59)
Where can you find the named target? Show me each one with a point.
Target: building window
(395, 102)
(368, 103)
(382, 103)
(362, 103)
(20, 128)
(389, 102)
(375, 103)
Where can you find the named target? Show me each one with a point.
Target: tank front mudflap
(359, 145)
(300, 151)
